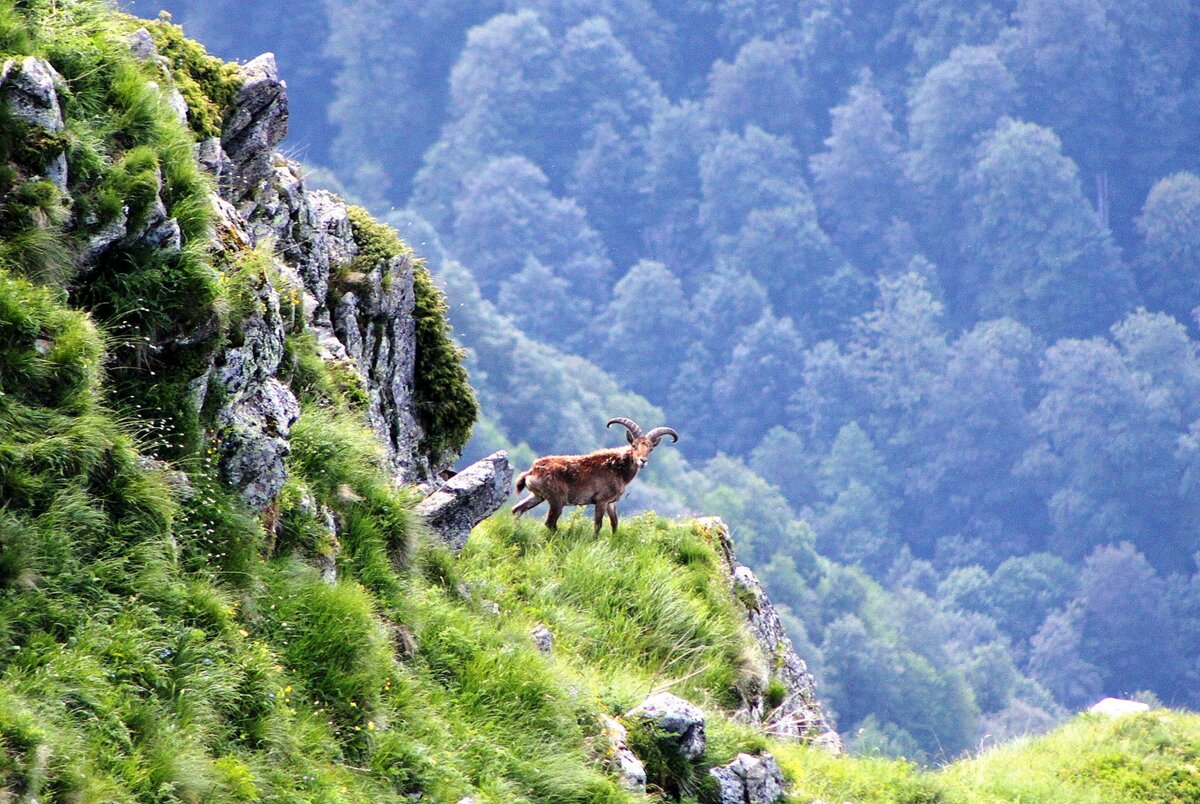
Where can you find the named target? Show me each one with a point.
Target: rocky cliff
(361, 310)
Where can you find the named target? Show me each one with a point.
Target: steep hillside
(213, 384)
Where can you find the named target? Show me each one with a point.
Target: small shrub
(444, 400)
(667, 770)
(776, 694)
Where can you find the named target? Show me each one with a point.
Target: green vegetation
(1150, 757)
(159, 641)
(127, 155)
(209, 85)
(445, 402)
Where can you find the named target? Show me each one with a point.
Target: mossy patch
(209, 85)
(444, 399)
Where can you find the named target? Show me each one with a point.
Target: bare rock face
(373, 319)
(750, 780)
(30, 90)
(258, 124)
(253, 441)
(799, 716)
(257, 411)
(468, 498)
(671, 715)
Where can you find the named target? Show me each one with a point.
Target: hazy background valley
(914, 280)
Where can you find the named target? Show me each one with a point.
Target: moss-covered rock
(209, 85)
(444, 402)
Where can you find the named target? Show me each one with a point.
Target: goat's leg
(552, 517)
(600, 509)
(531, 501)
(612, 515)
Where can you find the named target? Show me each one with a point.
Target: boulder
(141, 45)
(750, 780)
(543, 640)
(1118, 707)
(671, 715)
(30, 90)
(468, 498)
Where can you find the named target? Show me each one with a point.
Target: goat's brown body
(598, 478)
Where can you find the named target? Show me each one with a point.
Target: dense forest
(915, 280)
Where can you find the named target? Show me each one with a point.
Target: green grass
(166, 645)
(1152, 757)
(209, 86)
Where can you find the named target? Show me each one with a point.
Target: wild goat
(598, 478)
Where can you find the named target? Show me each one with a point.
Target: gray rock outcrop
(373, 320)
(750, 780)
(621, 761)
(30, 90)
(799, 715)
(671, 715)
(468, 498)
(363, 318)
(257, 410)
(259, 123)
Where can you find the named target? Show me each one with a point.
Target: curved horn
(657, 433)
(630, 425)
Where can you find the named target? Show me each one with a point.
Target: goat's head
(641, 443)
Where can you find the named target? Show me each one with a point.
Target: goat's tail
(521, 481)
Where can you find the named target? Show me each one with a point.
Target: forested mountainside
(914, 279)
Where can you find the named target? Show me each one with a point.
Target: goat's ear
(629, 436)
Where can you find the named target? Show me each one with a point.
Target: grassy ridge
(1151, 757)
(228, 670)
